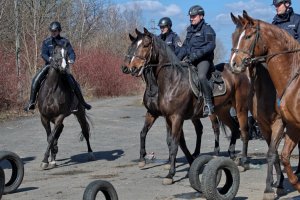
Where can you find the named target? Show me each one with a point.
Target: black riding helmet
(165, 21)
(196, 10)
(55, 26)
(276, 2)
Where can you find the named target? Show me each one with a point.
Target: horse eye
(247, 37)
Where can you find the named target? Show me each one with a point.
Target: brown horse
(260, 41)
(176, 100)
(55, 102)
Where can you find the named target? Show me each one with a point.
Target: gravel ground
(115, 142)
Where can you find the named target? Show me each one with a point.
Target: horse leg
(216, 127)
(297, 172)
(184, 148)
(242, 115)
(54, 148)
(199, 130)
(57, 126)
(289, 144)
(85, 128)
(175, 122)
(149, 121)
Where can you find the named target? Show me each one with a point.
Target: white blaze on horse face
(238, 46)
(138, 44)
(64, 63)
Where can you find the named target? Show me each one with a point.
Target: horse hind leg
(216, 128)
(85, 127)
(199, 131)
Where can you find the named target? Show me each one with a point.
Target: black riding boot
(75, 87)
(35, 87)
(207, 94)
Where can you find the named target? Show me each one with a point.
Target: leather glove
(193, 57)
(187, 60)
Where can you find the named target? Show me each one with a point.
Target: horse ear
(242, 20)
(247, 17)
(146, 31)
(235, 20)
(131, 37)
(138, 32)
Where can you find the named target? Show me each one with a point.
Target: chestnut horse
(56, 100)
(176, 100)
(259, 41)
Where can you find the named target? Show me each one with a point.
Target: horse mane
(160, 46)
(289, 41)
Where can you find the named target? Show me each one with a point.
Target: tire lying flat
(105, 187)
(210, 183)
(17, 173)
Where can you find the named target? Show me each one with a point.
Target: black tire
(17, 173)
(105, 187)
(196, 169)
(2, 182)
(209, 179)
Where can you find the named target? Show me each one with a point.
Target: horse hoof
(269, 196)
(217, 151)
(167, 181)
(44, 165)
(52, 165)
(241, 168)
(167, 166)
(280, 192)
(91, 156)
(142, 164)
(237, 161)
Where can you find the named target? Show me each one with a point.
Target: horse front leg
(175, 122)
(149, 121)
(50, 140)
(199, 131)
(54, 148)
(242, 115)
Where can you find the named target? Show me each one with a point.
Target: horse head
(59, 59)
(139, 53)
(245, 42)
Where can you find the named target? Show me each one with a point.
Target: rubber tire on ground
(196, 169)
(105, 187)
(2, 182)
(209, 179)
(17, 173)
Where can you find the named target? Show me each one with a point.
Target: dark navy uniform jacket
(290, 22)
(48, 48)
(172, 40)
(199, 44)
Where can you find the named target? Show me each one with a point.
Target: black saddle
(216, 81)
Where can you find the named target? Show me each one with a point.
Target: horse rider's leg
(297, 172)
(199, 130)
(149, 121)
(203, 69)
(57, 127)
(75, 87)
(175, 122)
(216, 128)
(35, 86)
(85, 128)
(290, 142)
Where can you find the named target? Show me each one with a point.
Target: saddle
(216, 82)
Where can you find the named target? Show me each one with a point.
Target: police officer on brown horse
(198, 49)
(47, 51)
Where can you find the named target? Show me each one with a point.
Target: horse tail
(224, 128)
(88, 125)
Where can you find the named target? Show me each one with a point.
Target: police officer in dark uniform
(286, 18)
(198, 49)
(47, 50)
(168, 35)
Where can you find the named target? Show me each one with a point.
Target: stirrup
(30, 106)
(208, 110)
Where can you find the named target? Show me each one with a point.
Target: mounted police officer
(286, 18)
(198, 49)
(47, 51)
(167, 34)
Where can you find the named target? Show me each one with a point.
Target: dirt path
(115, 141)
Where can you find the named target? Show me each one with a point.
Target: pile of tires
(211, 170)
(17, 173)
(97, 186)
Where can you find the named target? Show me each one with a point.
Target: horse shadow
(4, 164)
(83, 157)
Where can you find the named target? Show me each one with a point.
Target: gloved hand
(187, 60)
(193, 57)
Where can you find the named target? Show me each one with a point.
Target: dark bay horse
(56, 100)
(261, 41)
(176, 100)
